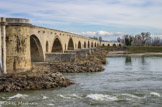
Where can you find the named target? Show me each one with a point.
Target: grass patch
(114, 48)
(138, 49)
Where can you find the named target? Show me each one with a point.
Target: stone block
(80, 51)
(60, 57)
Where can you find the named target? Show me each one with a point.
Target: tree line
(143, 39)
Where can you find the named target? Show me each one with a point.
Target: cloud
(112, 36)
(108, 36)
(159, 34)
(127, 13)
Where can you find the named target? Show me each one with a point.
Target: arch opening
(88, 45)
(95, 45)
(84, 44)
(79, 45)
(119, 45)
(36, 50)
(57, 47)
(71, 44)
(47, 46)
(108, 45)
(103, 44)
(114, 45)
(91, 44)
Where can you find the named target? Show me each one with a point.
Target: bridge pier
(18, 47)
(0, 46)
(3, 45)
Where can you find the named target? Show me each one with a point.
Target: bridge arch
(108, 45)
(46, 46)
(95, 44)
(84, 44)
(36, 50)
(71, 44)
(91, 44)
(57, 45)
(65, 46)
(88, 44)
(114, 45)
(79, 45)
(103, 44)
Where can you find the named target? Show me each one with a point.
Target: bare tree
(137, 40)
(118, 39)
(145, 37)
(100, 38)
(156, 41)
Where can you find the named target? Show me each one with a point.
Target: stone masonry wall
(60, 57)
(18, 48)
(80, 51)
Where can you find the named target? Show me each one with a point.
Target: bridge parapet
(17, 20)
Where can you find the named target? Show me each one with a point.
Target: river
(126, 82)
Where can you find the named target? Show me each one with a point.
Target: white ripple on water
(2, 102)
(132, 96)
(50, 104)
(44, 97)
(155, 94)
(18, 96)
(102, 97)
(70, 96)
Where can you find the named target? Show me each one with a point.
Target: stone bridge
(111, 44)
(23, 43)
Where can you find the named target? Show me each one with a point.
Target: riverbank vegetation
(139, 43)
(143, 39)
(139, 49)
(135, 49)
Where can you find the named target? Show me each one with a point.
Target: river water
(126, 82)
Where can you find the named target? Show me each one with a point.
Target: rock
(89, 63)
(45, 76)
(33, 82)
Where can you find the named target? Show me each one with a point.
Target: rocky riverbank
(49, 75)
(90, 63)
(33, 81)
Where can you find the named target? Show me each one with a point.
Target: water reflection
(128, 60)
(143, 60)
(135, 85)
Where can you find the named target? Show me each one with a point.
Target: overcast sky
(107, 18)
